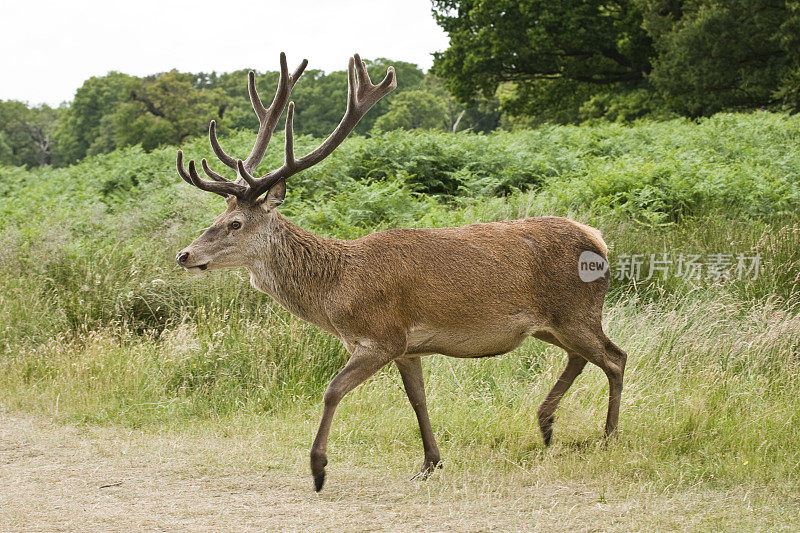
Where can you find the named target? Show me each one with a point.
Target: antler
(362, 94)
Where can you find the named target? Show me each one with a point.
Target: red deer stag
(394, 296)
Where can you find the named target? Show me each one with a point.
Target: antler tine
(246, 176)
(258, 107)
(268, 117)
(298, 72)
(364, 83)
(210, 173)
(352, 88)
(224, 189)
(362, 94)
(289, 161)
(212, 136)
(182, 170)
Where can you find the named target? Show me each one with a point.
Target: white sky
(48, 48)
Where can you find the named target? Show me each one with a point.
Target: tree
(26, 134)
(484, 116)
(42, 127)
(547, 50)
(433, 107)
(165, 108)
(80, 125)
(416, 109)
(711, 56)
(622, 59)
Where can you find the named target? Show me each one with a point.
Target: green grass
(97, 325)
(712, 392)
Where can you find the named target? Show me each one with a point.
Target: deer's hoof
(428, 468)
(547, 429)
(547, 435)
(318, 463)
(319, 480)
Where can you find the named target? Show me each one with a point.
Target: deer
(394, 296)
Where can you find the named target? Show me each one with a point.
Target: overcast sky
(48, 48)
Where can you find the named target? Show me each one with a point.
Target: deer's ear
(275, 196)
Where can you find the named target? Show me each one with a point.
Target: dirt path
(57, 477)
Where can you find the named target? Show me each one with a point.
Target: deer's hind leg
(575, 365)
(592, 344)
(411, 372)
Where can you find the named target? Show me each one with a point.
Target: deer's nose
(182, 257)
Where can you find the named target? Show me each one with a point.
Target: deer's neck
(298, 269)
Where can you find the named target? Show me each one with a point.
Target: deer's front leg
(363, 363)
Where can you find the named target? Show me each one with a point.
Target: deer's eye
(236, 224)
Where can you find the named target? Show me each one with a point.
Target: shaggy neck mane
(297, 267)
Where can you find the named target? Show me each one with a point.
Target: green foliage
(788, 93)
(542, 101)
(165, 109)
(90, 240)
(118, 110)
(412, 110)
(26, 134)
(625, 106)
(568, 61)
(713, 56)
(433, 107)
(559, 48)
(435, 163)
(81, 126)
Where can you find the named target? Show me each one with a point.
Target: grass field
(101, 332)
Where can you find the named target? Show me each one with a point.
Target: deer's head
(246, 224)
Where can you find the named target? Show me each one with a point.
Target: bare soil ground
(56, 477)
